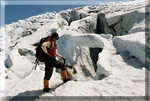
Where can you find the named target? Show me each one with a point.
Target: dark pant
(50, 63)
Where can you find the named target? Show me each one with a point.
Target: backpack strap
(51, 42)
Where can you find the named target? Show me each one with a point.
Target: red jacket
(52, 51)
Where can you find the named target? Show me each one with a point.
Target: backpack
(40, 55)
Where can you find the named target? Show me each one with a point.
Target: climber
(49, 48)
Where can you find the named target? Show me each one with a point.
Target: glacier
(116, 28)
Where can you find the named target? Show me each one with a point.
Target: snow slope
(120, 66)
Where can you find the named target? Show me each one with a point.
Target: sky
(14, 13)
(18, 12)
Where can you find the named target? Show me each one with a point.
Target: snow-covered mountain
(106, 44)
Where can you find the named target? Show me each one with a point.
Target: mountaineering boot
(65, 76)
(46, 89)
(46, 86)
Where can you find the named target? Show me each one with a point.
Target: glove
(63, 58)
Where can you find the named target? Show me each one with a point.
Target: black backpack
(40, 55)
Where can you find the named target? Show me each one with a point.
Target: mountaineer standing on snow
(49, 55)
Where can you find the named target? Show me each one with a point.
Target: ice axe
(70, 66)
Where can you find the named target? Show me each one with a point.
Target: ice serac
(123, 20)
(85, 25)
(133, 43)
(102, 25)
(72, 46)
(71, 15)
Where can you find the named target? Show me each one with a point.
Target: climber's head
(54, 36)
